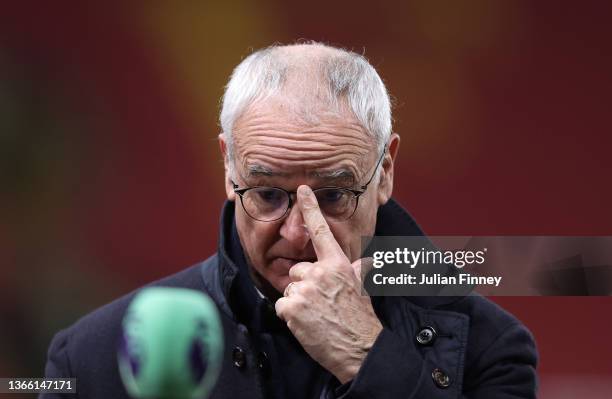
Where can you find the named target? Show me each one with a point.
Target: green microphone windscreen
(172, 344)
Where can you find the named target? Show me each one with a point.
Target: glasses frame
(356, 193)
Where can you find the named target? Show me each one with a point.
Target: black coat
(479, 351)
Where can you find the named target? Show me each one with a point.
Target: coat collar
(392, 220)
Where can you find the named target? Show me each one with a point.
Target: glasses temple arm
(365, 186)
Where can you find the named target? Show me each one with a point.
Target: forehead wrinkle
(315, 135)
(275, 119)
(342, 174)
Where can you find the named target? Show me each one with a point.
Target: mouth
(288, 263)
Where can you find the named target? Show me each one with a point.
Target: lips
(289, 262)
(298, 260)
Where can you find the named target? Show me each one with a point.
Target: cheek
(363, 223)
(256, 238)
(371, 209)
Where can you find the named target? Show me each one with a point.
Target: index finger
(324, 242)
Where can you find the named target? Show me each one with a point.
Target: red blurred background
(111, 175)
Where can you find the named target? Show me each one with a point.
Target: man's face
(274, 147)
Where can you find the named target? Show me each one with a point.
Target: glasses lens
(265, 203)
(336, 203)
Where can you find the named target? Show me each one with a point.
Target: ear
(229, 187)
(385, 185)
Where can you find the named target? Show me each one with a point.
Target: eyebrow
(338, 174)
(259, 170)
(345, 175)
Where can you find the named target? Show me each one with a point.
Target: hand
(323, 305)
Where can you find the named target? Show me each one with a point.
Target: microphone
(171, 346)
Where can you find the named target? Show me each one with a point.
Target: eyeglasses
(269, 204)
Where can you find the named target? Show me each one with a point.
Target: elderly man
(309, 159)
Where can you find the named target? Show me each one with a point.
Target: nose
(293, 229)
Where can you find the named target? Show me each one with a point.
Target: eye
(265, 203)
(331, 196)
(269, 195)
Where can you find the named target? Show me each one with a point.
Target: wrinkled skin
(324, 308)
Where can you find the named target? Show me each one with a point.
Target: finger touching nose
(322, 237)
(293, 229)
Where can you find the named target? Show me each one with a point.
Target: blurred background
(111, 176)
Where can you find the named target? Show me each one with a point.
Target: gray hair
(345, 76)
